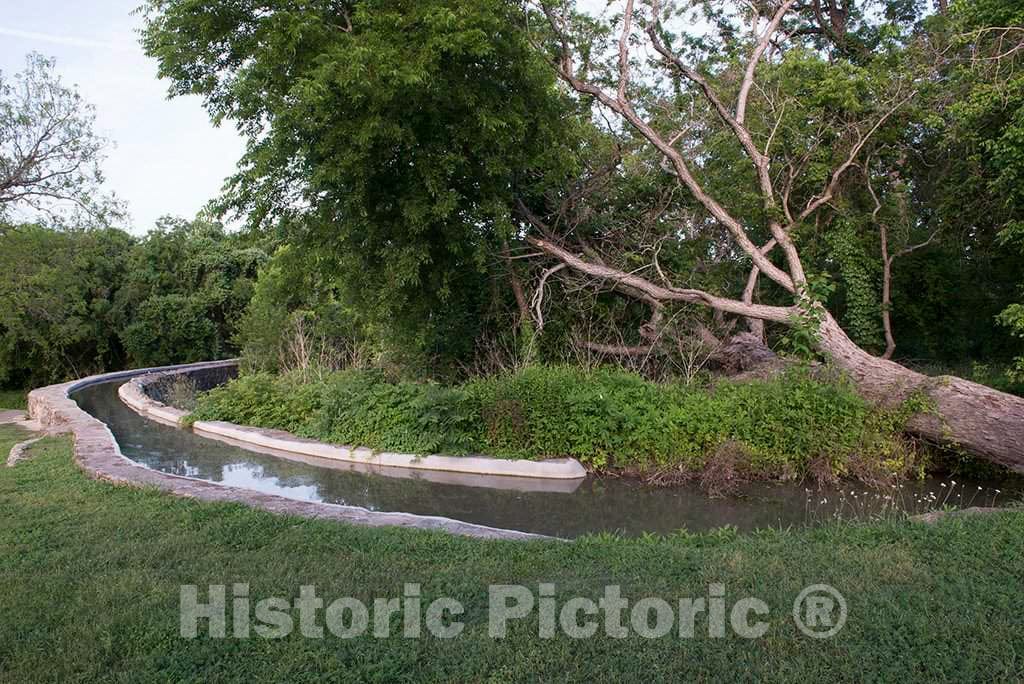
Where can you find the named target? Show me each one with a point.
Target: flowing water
(559, 508)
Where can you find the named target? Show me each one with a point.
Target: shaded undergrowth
(791, 426)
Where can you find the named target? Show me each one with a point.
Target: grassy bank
(91, 573)
(13, 399)
(789, 426)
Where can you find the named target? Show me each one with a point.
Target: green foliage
(350, 407)
(185, 288)
(605, 418)
(975, 139)
(78, 302)
(803, 335)
(56, 293)
(296, 318)
(362, 408)
(387, 139)
(284, 402)
(858, 269)
(1013, 318)
(169, 328)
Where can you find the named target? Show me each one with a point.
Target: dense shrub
(605, 418)
(261, 399)
(348, 407)
(186, 286)
(76, 302)
(361, 407)
(296, 318)
(56, 292)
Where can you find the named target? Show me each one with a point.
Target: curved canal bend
(561, 509)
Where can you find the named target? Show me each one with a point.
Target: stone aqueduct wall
(97, 452)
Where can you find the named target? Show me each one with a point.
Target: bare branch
(770, 313)
(618, 349)
(826, 196)
(913, 248)
(755, 58)
(627, 26)
(538, 295)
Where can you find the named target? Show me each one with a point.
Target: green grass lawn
(13, 399)
(90, 576)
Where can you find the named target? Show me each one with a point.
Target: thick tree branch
(755, 58)
(627, 26)
(517, 286)
(760, 159)
(538, 295)
(756, 324)
(679, 165)
(663, 294)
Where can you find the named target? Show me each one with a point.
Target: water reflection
(565, 509)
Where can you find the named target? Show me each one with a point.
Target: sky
(167, 157)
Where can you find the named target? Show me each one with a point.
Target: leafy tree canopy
(184, 288)
(388, 137)
(56, 291)
(76, 302)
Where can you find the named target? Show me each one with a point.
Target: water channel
(560, 508)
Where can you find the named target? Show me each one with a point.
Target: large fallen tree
(627, 89)
(672, 169)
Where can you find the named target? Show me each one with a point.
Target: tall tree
(49, 154)
(385, 136)
(797, 178)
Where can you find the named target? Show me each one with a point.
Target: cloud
(68, 40)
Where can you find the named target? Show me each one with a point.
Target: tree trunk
(890, 341)
(517, 286)
(978, 419)
(744, 352)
